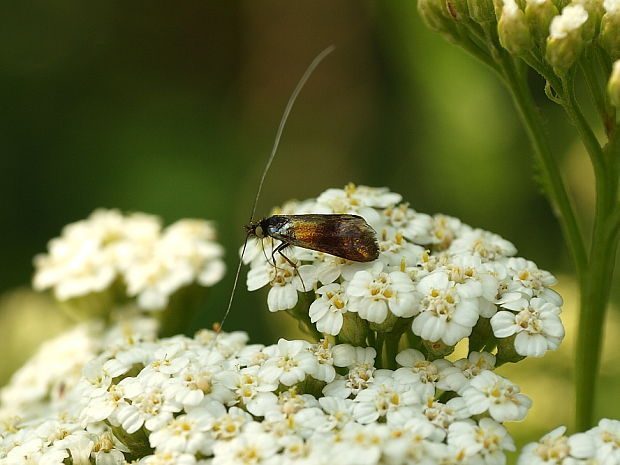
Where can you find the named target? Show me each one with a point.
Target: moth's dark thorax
(276, 226)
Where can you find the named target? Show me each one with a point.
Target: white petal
(305, 278)
(435, 280)
(358, 287)
(330, 323)
(328, 272)
(373, 310)
(428, 327)
(405, 305)
(552, 325)
(408, 357)
(282, 298)
(582, 446)
(318, 309)
(503, 324)
(258, 276)
(530, 345)
(454, 333)
(466, 313)
(344, 355)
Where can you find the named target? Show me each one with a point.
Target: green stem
(413, 341)
(552, 179)
(544, 70)
(379, 348)
(596, 283)
(371, 339)
(595, 293)
(614, 224)
(596, 290)
(591, 144)
(612, 155)
(597, 89)
(391, 349)
(477, 51)
(595, 274)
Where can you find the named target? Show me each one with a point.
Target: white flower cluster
(43, 381)
(443, 274)
(216, 401)
(133, 251)
(599, 445)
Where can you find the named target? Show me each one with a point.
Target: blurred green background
(171, 108)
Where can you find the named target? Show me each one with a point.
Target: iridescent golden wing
(345, 236)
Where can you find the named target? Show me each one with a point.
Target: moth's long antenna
(276, 143)
(287, 110)
(232, 294)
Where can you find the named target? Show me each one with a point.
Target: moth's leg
(272, 262)
(279, 250)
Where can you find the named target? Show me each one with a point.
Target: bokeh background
(171, 108)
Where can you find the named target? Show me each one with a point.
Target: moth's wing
(345, 236)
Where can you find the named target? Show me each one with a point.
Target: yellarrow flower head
(436, 278)
(262, 404)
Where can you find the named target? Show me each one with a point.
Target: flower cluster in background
(436, 281)
(111, 255)
(599, 445)
(216, 400)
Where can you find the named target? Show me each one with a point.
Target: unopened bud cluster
(549, 35)
(436, 282)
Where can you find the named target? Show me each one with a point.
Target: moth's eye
(259, 232)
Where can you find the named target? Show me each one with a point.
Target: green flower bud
(436, 16)
(354, 330)
(458, 9)
(481, 11)
(506, 351)
(561, 4)
(498, 5)
(514, 33)
(538, 14)
(437, 349)
(387, 325)
(610, 28)
(613, 86)
(565, 41)
(595, 11)
(482, 337)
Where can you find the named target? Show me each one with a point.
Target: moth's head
(255, 229)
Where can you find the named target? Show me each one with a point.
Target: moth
(344, 236)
